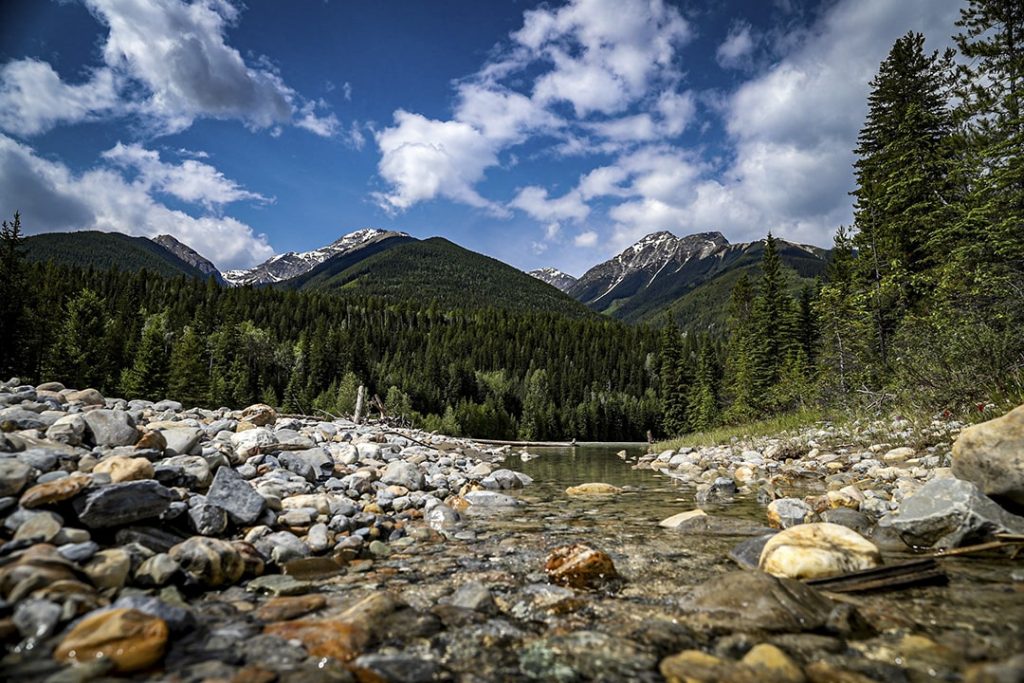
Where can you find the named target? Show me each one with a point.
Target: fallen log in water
(925, 571)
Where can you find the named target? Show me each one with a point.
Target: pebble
(580, 566)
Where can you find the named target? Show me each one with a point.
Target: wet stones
(130, 639)
(593, 489)
(755, 601)
(323, 637)
(111, 428)
(122, 504)
(788, 512)
(580, 566)
(812, 551)
(991, 455)
(675, 521)
(209, 562)
(946, 513)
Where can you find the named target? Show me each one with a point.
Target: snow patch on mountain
(554, 277)
(292, 264)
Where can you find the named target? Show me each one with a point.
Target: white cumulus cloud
(51, 197)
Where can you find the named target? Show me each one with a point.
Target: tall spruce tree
(771, 321)
(189, 376)
(12, 295)
(703, 409)
(79, 357)
(147, 376)
(903, 161)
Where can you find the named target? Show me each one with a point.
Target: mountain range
(660, 278)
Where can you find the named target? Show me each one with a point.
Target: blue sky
(539, 133)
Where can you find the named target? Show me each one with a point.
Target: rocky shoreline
(150, 541)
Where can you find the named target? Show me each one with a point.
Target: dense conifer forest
(922, 306)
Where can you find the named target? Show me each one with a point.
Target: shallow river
(979, 615)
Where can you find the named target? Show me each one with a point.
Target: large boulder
(812, 551)
(948, 512)
(991, 455)
(111, 428)
(403, 474)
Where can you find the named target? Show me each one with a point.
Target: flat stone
(754, 601)
(948, 512)
(181, 440)
(285, 608)
(123, 469)
(490, 499)
(593, 489)
(131, 639)
(89, 397)
(323, 637)
(991, 455)
(279, 584)
(55, 491)
(233, 494)
(677, 519)
(122, 504)
(818, 550)
(111, 428)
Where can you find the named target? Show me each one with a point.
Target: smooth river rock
(812, 551)
(593, 489)
(130, 639)
(579, 566)
(991, 455)
(754, 601)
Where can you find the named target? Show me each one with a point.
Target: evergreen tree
(188, 380)
(843, 320)
(13, 291)
(78, 354)
(674, 380)
(702, 409)
(903, 162)
(536, 422)
(771, 323)
(147, 376)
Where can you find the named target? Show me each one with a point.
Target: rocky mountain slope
(188, 255)
(554, 277)
(650, 276)
(294, 264)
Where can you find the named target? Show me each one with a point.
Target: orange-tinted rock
(323, 637)
(123, 469)
(152, 439)
(579, 566)
(260, 414)
(55, 491)
(131, 639)
(282, 609)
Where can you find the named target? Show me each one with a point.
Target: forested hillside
(438, 270)
(485, 371)
(105, 250)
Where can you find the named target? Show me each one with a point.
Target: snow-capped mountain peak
(292, 264)
(554, 277)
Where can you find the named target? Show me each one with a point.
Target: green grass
(780, 425)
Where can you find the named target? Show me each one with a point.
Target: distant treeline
(485, 372)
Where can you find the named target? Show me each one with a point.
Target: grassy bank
(779, 425)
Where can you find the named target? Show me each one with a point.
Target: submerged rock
(991, 455)
(593, 489)
(946, 513)
(131, 639)
(812, 551)
(755, 601)
(579, 566)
